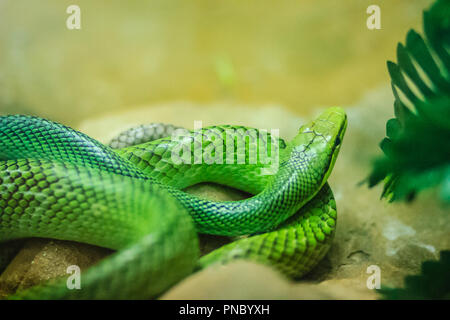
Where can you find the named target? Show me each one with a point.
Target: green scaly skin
(59, 183)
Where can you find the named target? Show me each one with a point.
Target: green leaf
(432, 283)
(416, 150)
(393, 128)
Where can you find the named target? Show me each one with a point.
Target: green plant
(432, 283)
(417, 147)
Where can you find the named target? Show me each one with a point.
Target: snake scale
(58, 183)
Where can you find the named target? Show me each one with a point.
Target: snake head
(319, 141)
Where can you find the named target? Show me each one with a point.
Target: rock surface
(245, 280)
(395, 237)
(43, 259)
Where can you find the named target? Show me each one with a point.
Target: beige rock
(42, 259)
(246, 280)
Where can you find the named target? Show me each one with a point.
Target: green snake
(58, 183)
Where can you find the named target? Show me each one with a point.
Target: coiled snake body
(58, 183)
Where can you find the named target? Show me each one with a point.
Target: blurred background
(299, 54)
(267, 64)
